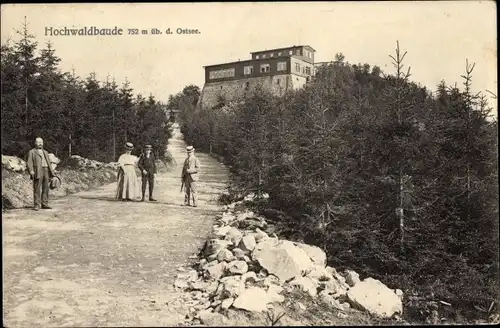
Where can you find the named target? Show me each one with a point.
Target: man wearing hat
(41, 172)
(147, 166)
(190, 176)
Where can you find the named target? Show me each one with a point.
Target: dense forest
(391, 179)
(74, 116)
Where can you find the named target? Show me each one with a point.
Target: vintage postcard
(249, 164)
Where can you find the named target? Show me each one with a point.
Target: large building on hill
(277, 70)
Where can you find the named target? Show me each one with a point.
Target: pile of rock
(242, 267)
(77, 161)
(16, 164)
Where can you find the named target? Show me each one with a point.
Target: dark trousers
(41, 189)
(148, 178)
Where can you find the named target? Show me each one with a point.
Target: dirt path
(92, 261)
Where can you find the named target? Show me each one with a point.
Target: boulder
(253, 299)
(334, 287)
(247, 259)
(248, 243)
(234, 236)
(316, 254)
(237, 267)
(271, 280)
(306, 284)
(351, 278)
(225, 255)
(245, 215)
(283, 259)
(373, 296)
(13, 163)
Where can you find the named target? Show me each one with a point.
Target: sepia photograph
(249, 164)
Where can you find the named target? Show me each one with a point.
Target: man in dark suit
(41, 172)
(147, 166)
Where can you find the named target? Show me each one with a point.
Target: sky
(438, 36)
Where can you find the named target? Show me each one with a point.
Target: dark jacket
(34, 164)
(148, 164)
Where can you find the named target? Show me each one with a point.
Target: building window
(297, 67)
(222, 73)
(256, 56)
(308, 70)
(265, 68)
(290, 52)
(306, 53)
(282, 66)
(297, 52)
(247, 70)
(279, 53)
(303, 70)
(264, 56)
(271, 54)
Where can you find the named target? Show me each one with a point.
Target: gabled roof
(305, 45)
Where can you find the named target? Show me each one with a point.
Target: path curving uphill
(93, 261)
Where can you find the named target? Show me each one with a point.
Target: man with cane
(190, 177)
(147, 165)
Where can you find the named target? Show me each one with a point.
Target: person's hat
(55, 183)
(148, 147)
(129, 146)
(189, 149)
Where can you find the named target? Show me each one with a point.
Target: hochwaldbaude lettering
(50, 31)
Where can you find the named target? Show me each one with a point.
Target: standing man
(190, 176)
(41, 172)
(147, 166)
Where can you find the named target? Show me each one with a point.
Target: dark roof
(235, 62)
(305, 45)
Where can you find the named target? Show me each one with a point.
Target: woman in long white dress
(128, 187)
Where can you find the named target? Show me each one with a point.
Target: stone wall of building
(231, 91)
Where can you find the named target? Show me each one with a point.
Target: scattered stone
(249, 276)
(225, 255)
(226, 304)
(247, 259)
(253, 299)
(245, 215)
(260, 235)
(273, 293)
(262, 273)
(316, 254)
(239, 253)
(320, 273)
(271, 280)
(214, 246)
(238, 267)
(234, 236)
(306, 284)
(399, 293)
(248, 243)
(221, 232)
(216, 271)
(227, 218)
(232, 287)
(352, 278)
(282, 259)
(373, 296)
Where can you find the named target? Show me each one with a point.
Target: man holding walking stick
(190, 177)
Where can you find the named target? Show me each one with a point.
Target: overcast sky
(438, 36)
